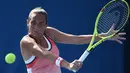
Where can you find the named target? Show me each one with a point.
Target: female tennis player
(38, 47)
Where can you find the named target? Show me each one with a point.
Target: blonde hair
(39, 10)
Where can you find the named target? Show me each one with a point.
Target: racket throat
(96, 44)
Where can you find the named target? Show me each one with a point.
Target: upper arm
(31, 47)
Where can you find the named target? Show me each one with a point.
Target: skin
(36, 45)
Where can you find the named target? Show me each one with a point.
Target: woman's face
(37, 23)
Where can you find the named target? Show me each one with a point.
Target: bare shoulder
(26, 41)
(26, 45)
(50, 31)
(56, 34)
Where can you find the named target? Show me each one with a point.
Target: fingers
(113, 26)
(122, 38)
(123, 33)
(119, 37)
(111, 30)
(119, 41)
(76, 65)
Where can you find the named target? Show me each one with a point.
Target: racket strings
(116, 14)
(108, 18)
(124, 16)
(123, 19)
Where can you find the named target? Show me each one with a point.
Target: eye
(43, 22)
(33, 22)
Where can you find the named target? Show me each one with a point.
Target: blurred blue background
(70, 16)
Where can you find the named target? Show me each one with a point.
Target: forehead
(37, 16)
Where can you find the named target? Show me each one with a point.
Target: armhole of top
(30, 60)
(48, 42)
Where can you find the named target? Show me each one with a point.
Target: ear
(28, 21)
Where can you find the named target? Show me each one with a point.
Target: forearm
(65, 64)
(61, 63)
(85, 39)
(78, 39)
(51, 56)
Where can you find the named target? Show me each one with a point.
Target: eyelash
(34, 22)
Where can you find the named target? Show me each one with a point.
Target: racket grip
(74, 71)
(82, 58)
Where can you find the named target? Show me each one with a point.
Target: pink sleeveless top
(38, 65)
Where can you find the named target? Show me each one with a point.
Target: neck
(36, 37)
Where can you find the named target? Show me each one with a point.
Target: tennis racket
(113, 15)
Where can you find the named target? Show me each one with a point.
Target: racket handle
(82, 58)
(74, 71)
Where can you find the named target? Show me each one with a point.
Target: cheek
(45, 25)
(31, 27)
(40, 26)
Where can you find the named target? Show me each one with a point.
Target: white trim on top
(49, 44)
(29, 70)
(33, 57)
(29, 60)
